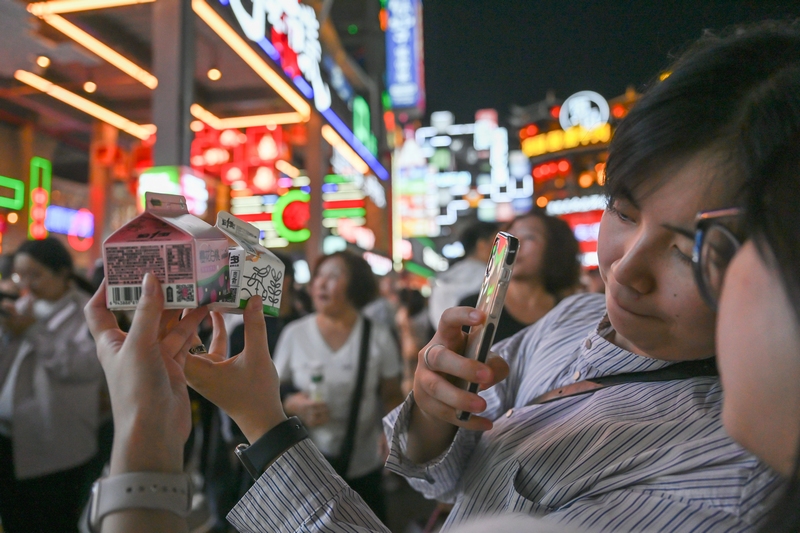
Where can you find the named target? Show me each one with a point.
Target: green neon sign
(290, 235)
(39, 196)
(419, 270)
(18, 187)
(362, 128)
(348, 212)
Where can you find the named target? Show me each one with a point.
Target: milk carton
(187, 255)
(254, 270)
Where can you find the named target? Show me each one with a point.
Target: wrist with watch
(173, 492)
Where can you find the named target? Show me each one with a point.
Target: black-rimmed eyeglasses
(715, 244)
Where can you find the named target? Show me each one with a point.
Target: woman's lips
(629, 311)
(613, 293)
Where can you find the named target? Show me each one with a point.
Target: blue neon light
(270, 50)
(64, 220)
(342, 129)
(306, 189)
(404, 78)
(304, 87)
(329, 187)
(333, 119)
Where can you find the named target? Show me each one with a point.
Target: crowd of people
(597, 412)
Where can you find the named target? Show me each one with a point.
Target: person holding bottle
(320, 359)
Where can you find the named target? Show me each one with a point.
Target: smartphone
(490, 301)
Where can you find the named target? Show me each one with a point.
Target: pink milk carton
(188, 255)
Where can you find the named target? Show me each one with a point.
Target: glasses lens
(719, 247)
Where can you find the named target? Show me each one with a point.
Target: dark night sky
(493, 53)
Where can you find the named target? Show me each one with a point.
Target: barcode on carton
(126, 295)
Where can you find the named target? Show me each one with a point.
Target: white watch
(139, 490)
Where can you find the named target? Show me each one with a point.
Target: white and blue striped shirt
(300, 492)
(632, 457)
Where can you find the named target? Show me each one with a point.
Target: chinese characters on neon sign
(295, 36)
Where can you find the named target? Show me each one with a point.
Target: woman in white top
(328, 342)
(50, 380)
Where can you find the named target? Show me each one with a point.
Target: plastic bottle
(316, 391)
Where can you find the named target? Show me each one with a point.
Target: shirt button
(576, 375)
(509, 413)
(588, 343)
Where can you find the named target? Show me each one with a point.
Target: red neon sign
(248, 158)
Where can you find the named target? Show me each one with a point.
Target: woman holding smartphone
(631, 452)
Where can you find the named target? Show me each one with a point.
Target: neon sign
(404, 54)
(246, 160)
(76, 224)
(362, 127)
(428, 200)
(341, 198)
(586, 109)
(174, 180)
(586, 227)
(557, 140)
(41, 169)
(281, 219)
(291, 216)
(16, 201)
(577, 204)
(295, 36)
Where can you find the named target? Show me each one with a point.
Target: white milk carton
(254, 270)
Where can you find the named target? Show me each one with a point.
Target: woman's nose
(635, 268)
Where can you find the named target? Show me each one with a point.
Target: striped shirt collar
(599, 357)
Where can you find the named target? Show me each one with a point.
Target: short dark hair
(561, 268)
(767, 141)
(475, 232)
(362, 287)
(48, 252)
(773, 220)
(699, 107)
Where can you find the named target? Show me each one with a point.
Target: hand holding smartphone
(490, 302)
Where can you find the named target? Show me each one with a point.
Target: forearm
(428, 437)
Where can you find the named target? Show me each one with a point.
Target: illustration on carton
(188, 255)
(254, 270)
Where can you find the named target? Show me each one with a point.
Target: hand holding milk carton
(191, 258)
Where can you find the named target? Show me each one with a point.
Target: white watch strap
(140, 490)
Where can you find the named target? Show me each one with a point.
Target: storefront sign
(557, 140)
(586, 109)
(294, 34)
(577, 204)
(404, 54)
